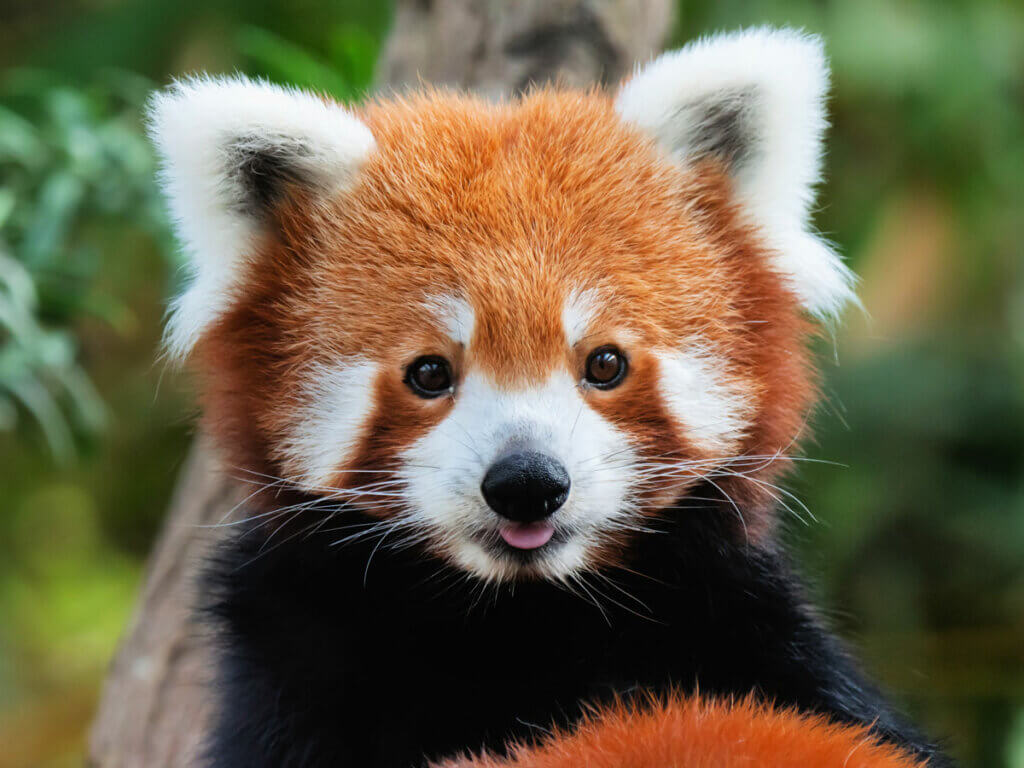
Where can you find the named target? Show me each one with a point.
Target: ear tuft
(753, 101)
(262, 172)
(230, 150)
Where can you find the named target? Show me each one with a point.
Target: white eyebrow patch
(455, 315)
(577, 314)
(712, 409)
(333, 408)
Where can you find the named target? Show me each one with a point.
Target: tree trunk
(155, 703)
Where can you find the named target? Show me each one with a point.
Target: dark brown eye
(429, 376)
(606, 367)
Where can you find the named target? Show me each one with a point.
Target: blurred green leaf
(291, 64)
(354, 51)
(69, 157)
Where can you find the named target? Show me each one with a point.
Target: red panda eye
(606, 367)
(429, 376)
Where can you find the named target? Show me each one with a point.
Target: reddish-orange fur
(701, 733)
(512, 206)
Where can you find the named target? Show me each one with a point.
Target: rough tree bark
(155, 702)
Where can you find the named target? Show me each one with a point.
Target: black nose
(525, 486)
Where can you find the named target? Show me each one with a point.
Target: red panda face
(516, 332)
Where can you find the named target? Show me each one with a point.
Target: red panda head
(515, 330)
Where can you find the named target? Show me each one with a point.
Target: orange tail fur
(703, 733)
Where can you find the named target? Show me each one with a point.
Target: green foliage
(345, 74)
(71, 158)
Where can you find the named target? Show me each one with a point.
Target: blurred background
(918, 547)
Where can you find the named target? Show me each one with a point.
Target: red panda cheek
(687, 413)
(398, 420)
(710, 402)
(637, 407)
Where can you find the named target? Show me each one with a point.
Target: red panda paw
(703, 733)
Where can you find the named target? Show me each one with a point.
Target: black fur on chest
(365, 655)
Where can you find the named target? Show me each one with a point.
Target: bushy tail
(702, 733)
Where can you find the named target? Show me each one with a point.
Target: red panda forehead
(552, 160)
(519, 211)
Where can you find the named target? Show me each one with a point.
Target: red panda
(517, 380)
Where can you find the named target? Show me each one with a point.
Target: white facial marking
(577, 315)
(712, 410)
(444, 468)
(455, 315)
(333, 408)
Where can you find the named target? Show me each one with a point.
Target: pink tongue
(527, 535)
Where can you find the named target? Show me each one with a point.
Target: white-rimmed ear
(754, 100)
(230, 148)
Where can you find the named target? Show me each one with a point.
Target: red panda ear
(230, 148)
(754, 101)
